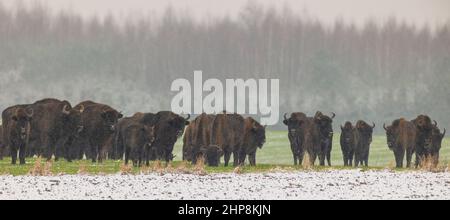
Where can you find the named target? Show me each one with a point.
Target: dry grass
(39, 170)
(82, 170)
(238, 170)
(199, 167)
(306, 163)
(126, 169)
(183, 168)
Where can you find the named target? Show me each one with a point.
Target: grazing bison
(17, 132)
(424, 137)
(99, 122)
(228, 133)
(324, 123)
(347, 143)
(363, 138)
(54, 122)
(137, 137)
(294, 124)
(168, 128)
(401, 137)
(254, 138)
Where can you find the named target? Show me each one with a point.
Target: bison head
(436, 139)
(259, 133)
(72, 118)
(110, 118)
(365, 130)
(423, 123)
(325, 124)
(22, 117)
(178, 124)
(212, 155)
(391, 136)
(347, 132)
(293, 123)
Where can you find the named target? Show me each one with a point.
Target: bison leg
(226, 157)
(22, 153)
(252, 159)
(400, 154)
(13, 155)
(94, 153)
(409, 154)
(237, 158)
(329, 158)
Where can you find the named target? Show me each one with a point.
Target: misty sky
(433, 12)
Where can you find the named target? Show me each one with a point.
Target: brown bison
(294, 124)
(137, 138)
(228, 134)
(168, 128)
(197, 141)
(347, 143)
(363, 138)
(324, 123)
(401, 138)
(424, 129)
(431, 151)
(54, 122)
(254, 138)
(2, 143)
(98, 121)
(118, 148)
(17, 132)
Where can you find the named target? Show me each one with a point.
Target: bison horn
(188, 117)
(435, 123)
(30, 113)
(373, 126)
(66, 110)
(333, 115)
(443, 134)
(285, 114)
(384, 126)
(82, 108)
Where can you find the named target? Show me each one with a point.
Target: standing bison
(294, 133)
(17, 132)
(54, 122)
(363, 138)
(98, 122)
(254, 138)
(347, 143)
(424, 129)
(137, 137)
(326, 136)
(197, 141)
(401, 138)
(228, 134)
(431, 150)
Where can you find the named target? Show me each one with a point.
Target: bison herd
(51, 127)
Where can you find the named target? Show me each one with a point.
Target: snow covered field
(339, 184)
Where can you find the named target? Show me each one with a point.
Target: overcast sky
(433, 12)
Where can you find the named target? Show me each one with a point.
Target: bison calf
(136, 139)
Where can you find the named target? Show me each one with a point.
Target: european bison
(137, 137)
(197, 140)
(2, 145)
(347, 143)
(363, 138)
(424, 137)
(17, 132)
(54, 122)
(228, 134)
(431, 150)
(254, 138)
(324, 123)
(99, 122)
(145, 119)
(168, 128)
(401, 137)
(294, 124)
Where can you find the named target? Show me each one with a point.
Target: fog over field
(373, 69)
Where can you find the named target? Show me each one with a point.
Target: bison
(324, 123)
(2, 143)
(401, 138)
(54, 122)
(99, 122)
(347, 143)
(424, 129)
(197, 140)
(431, 150)
(137, 137)
(254, 138)
(363, 138)
(228, 134)
(294, 124)
(17, 132)
(168, 128)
